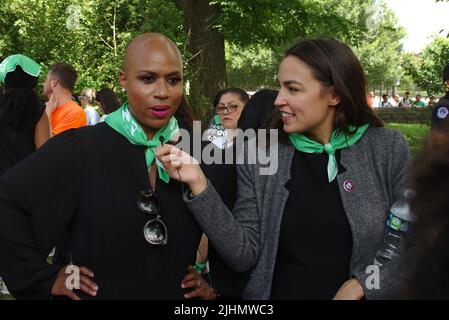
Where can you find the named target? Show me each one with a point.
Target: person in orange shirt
(64, 113)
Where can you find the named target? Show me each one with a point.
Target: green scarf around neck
(124, 123)
(339, 140)
(217, 119)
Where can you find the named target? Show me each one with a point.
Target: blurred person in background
(87, 99)
(64, 113)
(108, 100)
(24, 126)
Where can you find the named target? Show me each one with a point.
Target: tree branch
(114, 32)
(193, 57)
(105, 42)
(107, 21)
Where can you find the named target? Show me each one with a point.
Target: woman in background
(87, 98)
(228, 104)
(108, 100)
(23, 123)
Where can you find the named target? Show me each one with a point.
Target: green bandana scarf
(338, 141)
(123, 122)
(217, 119)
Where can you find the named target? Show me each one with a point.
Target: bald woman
(131, 236)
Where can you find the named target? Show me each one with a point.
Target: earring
(123, 90)
(335, 102)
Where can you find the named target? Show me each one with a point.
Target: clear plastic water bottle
(398, 224)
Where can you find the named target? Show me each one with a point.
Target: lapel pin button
(348, 185)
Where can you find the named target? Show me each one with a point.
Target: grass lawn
(414, 133)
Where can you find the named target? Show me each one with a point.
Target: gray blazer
(247, 238)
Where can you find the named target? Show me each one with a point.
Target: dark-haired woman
(227, 283)
(228, 105)
(23, 122)
(310, 230)
(258, 110)
(131, 235)
(108, 100)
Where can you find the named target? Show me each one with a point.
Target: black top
(315, 242)
(440, 116)
(87, 181)
(229, 283)
(16, 144)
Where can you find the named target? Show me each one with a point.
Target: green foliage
(259, 31)
(410, 70)
(252, 67)
(277, 23)
(414, 133)
(256, 32)
(95, 42)
(427, 69)
(380, 50)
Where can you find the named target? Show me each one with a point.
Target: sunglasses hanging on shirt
(155, 231)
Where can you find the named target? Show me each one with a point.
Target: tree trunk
(206, 44)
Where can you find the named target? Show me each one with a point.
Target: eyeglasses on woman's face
(230, 108)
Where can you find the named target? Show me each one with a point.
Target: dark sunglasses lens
(148, 202)
(155, 232)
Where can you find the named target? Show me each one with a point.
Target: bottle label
(396, 223)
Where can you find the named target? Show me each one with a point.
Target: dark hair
(243, 95)
(65, 73)
(385, 95)
(185, 114)
(20, 101)
(335, 65)
(258, 110)
(108, 100)
(427, 269)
